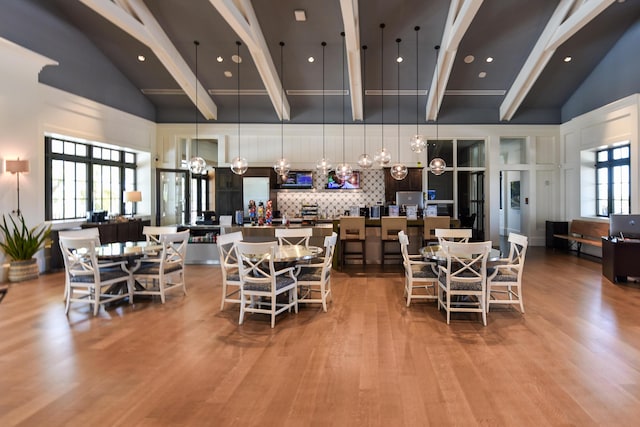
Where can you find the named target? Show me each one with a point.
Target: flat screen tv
(335, 183)
(298, 179)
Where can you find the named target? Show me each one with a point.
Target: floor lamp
(17, 167)
(133, 197)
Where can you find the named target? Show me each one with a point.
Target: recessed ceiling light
(311, 59)
(141, 58)
(399, 59)
(489, 59)
(300, 15)
(482, 74)
(237, 59)
(219, 59)
(228, 74)
(469, 59)
(567, 59)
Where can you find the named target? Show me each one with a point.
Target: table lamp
(133, 197)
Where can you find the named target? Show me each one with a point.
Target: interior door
(172, 196)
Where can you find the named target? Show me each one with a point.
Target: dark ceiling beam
(461, 14)
(558, 30)
(146, 29)
(350, 19)
(241, 17)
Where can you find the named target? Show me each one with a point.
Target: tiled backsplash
(334, 202)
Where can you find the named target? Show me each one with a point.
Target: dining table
(436, 253)
(132, 252)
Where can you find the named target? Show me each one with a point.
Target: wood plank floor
(572, 360)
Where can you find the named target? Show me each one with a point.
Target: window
(80, 178)
(613, 186)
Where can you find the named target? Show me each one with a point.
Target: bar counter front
(324, 228)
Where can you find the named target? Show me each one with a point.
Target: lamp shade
(132, 196)
(15, 166)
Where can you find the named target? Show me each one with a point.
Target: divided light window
(80, 177)
(613, 185)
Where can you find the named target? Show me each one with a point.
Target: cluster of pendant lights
(344, 171)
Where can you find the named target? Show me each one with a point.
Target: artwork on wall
(515, 194)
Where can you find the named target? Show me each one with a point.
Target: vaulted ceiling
(527, 81)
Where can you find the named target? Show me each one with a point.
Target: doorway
(172, 203)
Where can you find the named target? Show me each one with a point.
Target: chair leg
(224, 294)
(364, 252)
(130, 285)
(96, 306)
(68, 296)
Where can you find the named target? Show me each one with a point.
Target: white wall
(29, 109)
(613, 123)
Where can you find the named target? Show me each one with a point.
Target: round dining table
(436, 253)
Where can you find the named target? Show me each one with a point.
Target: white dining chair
(294, 236)
(462, 282)
(314, 279)
(159, 275)
(506, 278)
(88, 281)
(421, 277)
(153, 233)
(261, 284)
(229, 267)
(453, 234)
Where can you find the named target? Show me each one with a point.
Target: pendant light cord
(196, 43)
(324, 45)
(417, 88)
(398, 96)
(437, 48)
(238, 94)
(382, 85)
(282, 101)
(343, 43)
(364, 90)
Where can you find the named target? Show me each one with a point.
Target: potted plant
(21, 243)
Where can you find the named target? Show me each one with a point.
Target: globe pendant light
(364, 161)
(417, 141)
(382, 157)
(282, 165)
(344, 169)
(437, 165)
(399, 170)
(324, 164)
(197, 165)
(239, 165)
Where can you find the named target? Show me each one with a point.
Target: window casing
(613, 181)
(81, 177)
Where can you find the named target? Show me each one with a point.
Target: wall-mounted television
(335, 183)
(297, 179)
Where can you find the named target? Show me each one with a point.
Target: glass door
(172, 201)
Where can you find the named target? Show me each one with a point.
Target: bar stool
(430, 223)
(390, 226)
(352, 230)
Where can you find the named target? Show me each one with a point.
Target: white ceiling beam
(351, 23)
(146, 29)
(582, 16)
(558, 30)
(119, 17)
(167, 53)
(242, 19)
(460, 16)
